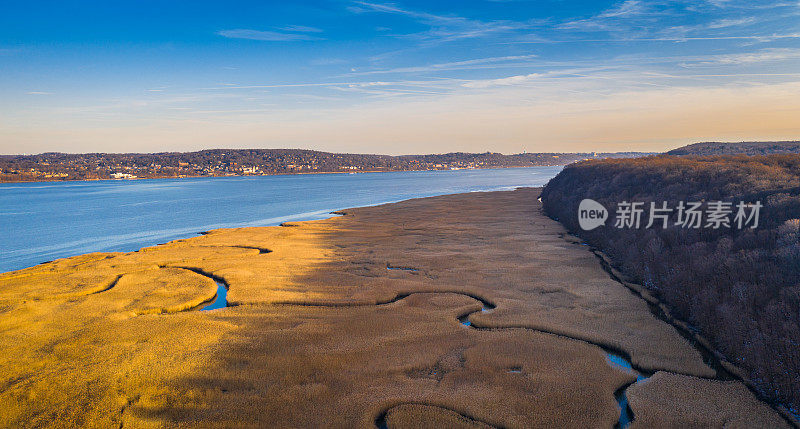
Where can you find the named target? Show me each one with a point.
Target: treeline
(739, 287)
(741, 148)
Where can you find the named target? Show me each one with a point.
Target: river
(44, 221)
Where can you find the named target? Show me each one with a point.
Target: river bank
(371, 318)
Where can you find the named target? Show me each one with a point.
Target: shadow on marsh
(345, 364)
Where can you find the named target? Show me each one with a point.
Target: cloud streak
(444, 28)
(625, 9)
(269, 36)
(754, 37)
(302, 29)
(762, 56)
(473, 64)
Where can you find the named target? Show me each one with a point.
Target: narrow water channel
(626, 415)
(389, 267)
(220, 300)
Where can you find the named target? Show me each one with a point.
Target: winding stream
(220, 299)
(615, 359)
(381, 422)
(625, 414)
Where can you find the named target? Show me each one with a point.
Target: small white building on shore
(122, 176)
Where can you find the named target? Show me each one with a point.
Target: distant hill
(741, 148)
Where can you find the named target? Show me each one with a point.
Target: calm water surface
(40, 222)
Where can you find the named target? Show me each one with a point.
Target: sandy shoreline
(320, 332)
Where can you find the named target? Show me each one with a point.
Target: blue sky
(396, 77)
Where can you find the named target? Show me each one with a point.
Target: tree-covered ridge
(740, 148)
(739, 287)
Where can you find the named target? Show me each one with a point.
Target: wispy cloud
(363, 90)
(755, 37)
(625, 9)
(477, 63)
(363, 6)
(719, 3)
(751, 5)
(350, 84)
(269, 36)
(728, 22)
(762, 56)
(39, 93)
(302, 29)
(506, 81)
(685, 31)
(612, 19)
(674, 19)
(444, 28)
(327, 61)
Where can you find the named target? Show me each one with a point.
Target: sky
(401, 77)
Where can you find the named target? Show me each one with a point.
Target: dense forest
(741, 148)
(233, 162)
(739, 287)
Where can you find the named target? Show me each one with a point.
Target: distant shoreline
(56, 180)
(54, 167)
